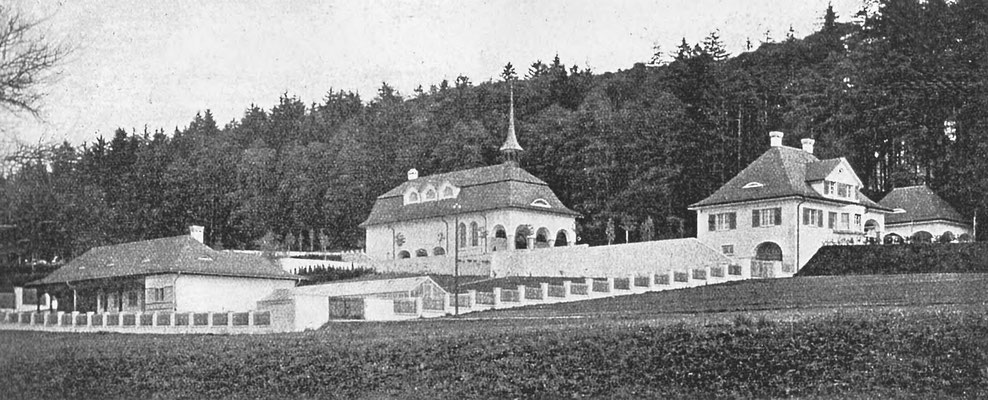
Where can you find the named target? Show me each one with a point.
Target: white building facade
(777, 212)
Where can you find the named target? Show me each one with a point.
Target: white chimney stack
(808, 145)
(775, 138)
(413, 174)
(196, 232)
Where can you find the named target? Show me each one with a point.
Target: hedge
(898, 259)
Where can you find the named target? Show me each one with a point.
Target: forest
(900, 92)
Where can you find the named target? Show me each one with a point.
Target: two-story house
(777, 212)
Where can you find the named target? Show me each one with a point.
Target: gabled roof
(782, 172)
(486, 188)
(179, 254)
(921, 204)
(364, 287)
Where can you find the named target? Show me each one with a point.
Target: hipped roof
(179, 254)
(486, 188)
(921, 204)
(782, 172)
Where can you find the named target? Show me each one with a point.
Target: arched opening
(965, 238)
(421, 253)
(521, 236)
(872, 231)
(947, 237)
(542, 238)
(921, 237)
(561, 238)
(461, 235)
(413, 197)
(430, 194)
(893, 238)
(404, 254)
(474, 234)
(768, 251)
(500, 241)
(767, 256)
(439, 251)
(448, 192)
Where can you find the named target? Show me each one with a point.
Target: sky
(158, 63)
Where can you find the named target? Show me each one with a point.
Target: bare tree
(28, 59)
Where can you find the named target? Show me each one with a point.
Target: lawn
(819, 351)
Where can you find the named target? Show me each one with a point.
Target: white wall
(203, 293)
(311, 312)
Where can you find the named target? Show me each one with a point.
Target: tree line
(900, 92)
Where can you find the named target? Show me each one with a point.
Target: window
(813, 217)
(131, 299)
(474, 234)
(413, 197)
(430, 194)
(421, 253)
(752, 185)
(829, 187)
(448, 192)
(403, 254)
(734, 269)
(722, 221)
(157, 295)
(766, 217)
(857, 221)
(727, 249)
(541, 203)
(831, 220)
(845, 221)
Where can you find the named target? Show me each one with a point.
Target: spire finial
(510, 148)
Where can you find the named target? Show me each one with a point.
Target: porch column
(75, 298)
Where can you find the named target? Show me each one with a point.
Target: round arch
(542, 238)
(522, 232)
(893, 238)
(561, 239)
(965, 237)
(768, 251)
(404, 254)
(500, 240)
(921, 237)
(421, 253)
(439, 251)
(461, 235)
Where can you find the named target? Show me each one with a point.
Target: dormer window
(541, 203)
(448, 192)
(752, 185)
(412, 197)
(430, 194)
(838, 189)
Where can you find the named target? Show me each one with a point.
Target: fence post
(418, 306)
(171, 319)
(521, 294)
(610, 285)
(102, 321)
(651, 282)
(250, 318)
(229, 318)
(209, 319)
(58, 318)
(497, 297)
(154, 318)
(192, 319)
(446, 302)
(567, 287)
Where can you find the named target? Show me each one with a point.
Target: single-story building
(920, 215)
(175, 274)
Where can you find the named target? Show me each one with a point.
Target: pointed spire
(511, 148)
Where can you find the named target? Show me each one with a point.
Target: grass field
(807, 344)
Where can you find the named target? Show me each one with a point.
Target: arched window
(768, 251)
(430, 194)
(448, 192)
(542, 238)
(893, 239)
(421, 253)
(521, 236)
(474, 234)
(439, 251)
(561, 238)
(499, 232)
(541, 203)
(403, 254)
(500, 241)
(461, 235)
(413, 197)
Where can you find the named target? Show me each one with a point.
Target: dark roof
(181, 254)
(486, 188)
(921, 204)
(783, 172)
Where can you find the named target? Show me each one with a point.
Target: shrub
(898, 259)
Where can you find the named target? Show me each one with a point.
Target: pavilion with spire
(473, 211)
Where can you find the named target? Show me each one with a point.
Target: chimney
(196, 232)
(775, 138)
(413, 174)
(808, 145)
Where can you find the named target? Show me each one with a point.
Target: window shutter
(778, 215)
(734, 220)
(755, 219)
(712, 222)
(169, 294)
(819, 221)
(806, 216)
